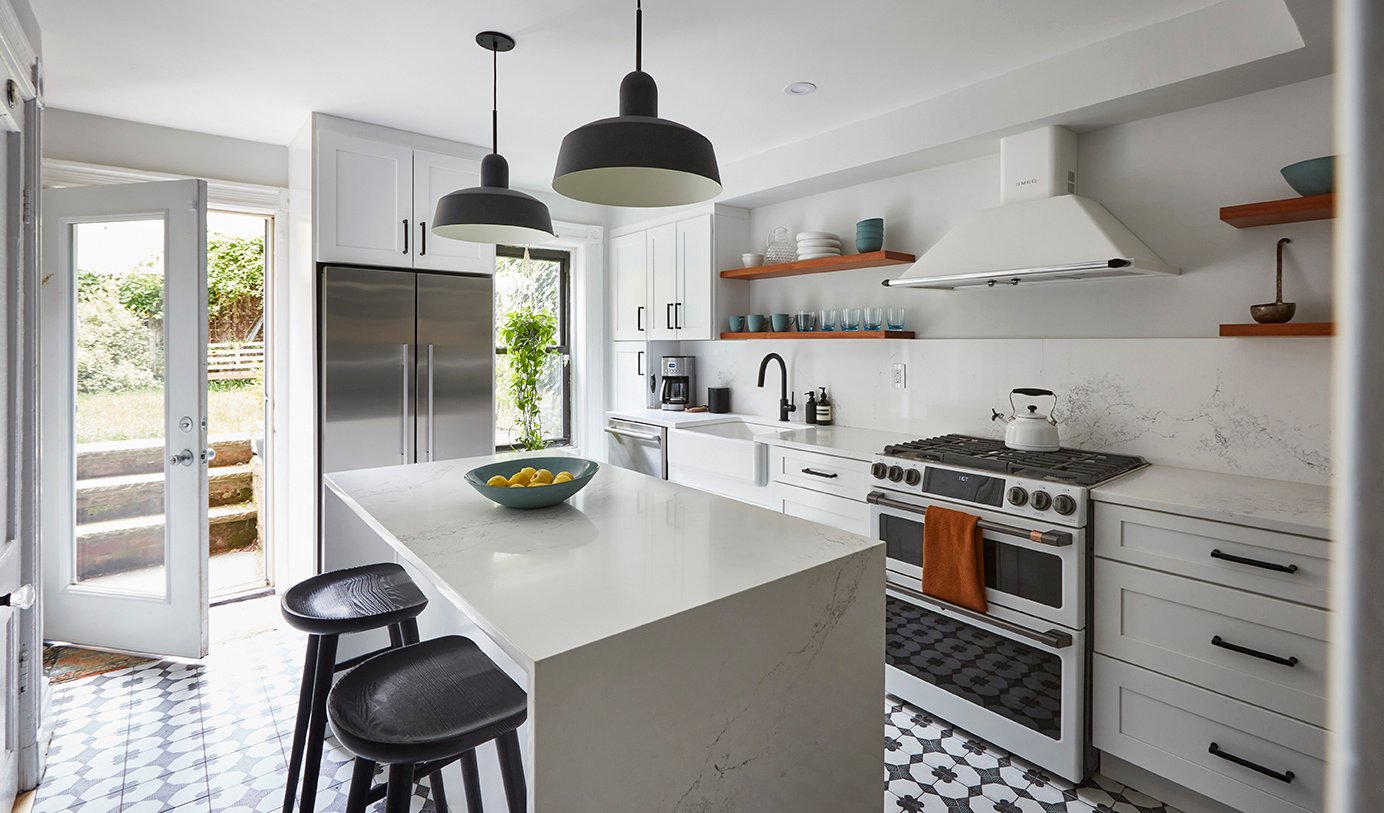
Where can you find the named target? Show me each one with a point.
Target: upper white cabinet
(666, 276)
(376, 197)
(629, 319)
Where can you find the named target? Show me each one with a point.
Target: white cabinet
(435, 175)
(821, 487)
(375, 201)
(664, 289)
(631, 376)
(827, 509)
(630, 288)
(697, 278)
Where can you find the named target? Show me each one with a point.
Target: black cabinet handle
(677, 314)
(1240, 560)
(668, 316)
(422, 238)
(1285, 777)
(1217, 640)
(814, 473)
(639, 363)
(406, 235)
(639, 318)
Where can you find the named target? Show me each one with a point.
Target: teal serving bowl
(536, 497)
(1312, 177)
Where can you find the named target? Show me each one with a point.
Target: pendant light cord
(495, 102)
(639, 35)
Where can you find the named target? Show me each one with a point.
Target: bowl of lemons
(532, 482)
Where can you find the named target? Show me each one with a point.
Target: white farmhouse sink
(734, 450)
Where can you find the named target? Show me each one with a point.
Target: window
(538, 279)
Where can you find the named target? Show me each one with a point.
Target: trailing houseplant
(527, 335)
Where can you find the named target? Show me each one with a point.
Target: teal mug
(782, 322)
(755, 322)
(737, 324)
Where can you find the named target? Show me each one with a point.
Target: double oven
(1016, 675)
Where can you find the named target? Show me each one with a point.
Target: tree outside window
(538, 281)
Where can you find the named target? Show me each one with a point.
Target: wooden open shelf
(1278, 212)
(1287, 329)
(826, 334)
(822, 265)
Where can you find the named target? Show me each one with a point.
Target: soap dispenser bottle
(810, 415)
(824, 409)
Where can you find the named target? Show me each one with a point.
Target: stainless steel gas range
(1018, 674)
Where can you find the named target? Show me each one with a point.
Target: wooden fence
(235, 361)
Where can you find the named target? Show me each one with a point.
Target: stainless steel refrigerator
(407, 367)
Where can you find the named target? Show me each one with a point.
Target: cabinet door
(662, 251)
(693, 311)
(629, 277)
(364, 201)
(631, 376)
(435, 175)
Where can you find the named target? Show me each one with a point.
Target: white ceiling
(254, 69)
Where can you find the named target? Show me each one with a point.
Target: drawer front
(841, 476)
(828, 509)
(1282, 565)
(1200, 633)
(1169, 727)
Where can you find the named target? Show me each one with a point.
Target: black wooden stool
(421, 708)
(356, 599)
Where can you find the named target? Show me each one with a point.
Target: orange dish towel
(953, 558)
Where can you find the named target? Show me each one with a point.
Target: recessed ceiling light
(799, 88)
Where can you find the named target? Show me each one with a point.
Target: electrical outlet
(900, 376)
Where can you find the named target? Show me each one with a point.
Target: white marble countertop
(1275, 505)
(626, 551)
(844, 441)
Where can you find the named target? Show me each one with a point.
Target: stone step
(141, 495)
(118, 545)
(125, 457)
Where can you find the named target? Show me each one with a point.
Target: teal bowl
(1312, 177)
(870, 224)
(541, 496)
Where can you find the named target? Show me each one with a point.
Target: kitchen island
(681, 651)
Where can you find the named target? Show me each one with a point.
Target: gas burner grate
(1064, 465)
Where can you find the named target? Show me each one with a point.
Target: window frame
(563, 348)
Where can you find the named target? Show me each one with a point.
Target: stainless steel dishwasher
(641, 447)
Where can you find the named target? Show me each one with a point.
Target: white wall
(1162, 389)
(112, 142)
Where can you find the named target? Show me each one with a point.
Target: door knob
(183, 458)
(22, 597)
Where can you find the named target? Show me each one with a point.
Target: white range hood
(1042, 232)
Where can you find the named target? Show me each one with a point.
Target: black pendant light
(637, 158)
(492, 212)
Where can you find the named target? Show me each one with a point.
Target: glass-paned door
(124, 389)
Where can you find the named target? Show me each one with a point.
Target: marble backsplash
(1258, 407)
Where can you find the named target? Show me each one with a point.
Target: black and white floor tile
(214, 736)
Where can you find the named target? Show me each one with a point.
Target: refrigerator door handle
(430, 403)
(403, 389)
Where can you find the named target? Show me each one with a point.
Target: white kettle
(1030, 431)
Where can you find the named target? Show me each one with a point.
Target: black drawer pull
(815, 473)
(639, 318)
(1240, 560)
(1217, 640)
(1285, 777)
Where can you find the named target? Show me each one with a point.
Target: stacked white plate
(814, 245)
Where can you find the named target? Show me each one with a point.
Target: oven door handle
(1057, 639)
(1058, 539)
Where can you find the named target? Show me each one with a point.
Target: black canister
(718, 399)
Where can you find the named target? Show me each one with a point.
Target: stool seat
(426, 701)
(355, 599)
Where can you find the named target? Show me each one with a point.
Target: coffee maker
(677, 382)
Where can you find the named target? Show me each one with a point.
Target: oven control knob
(1042, 500)
(895, 473)
(912, 477)
(878, 470)
(1017, 495)
(1064, 505)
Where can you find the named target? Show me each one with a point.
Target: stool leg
(400, 788)
(300, 727)
(409, 626)
(317, 722)
(396, 636)
(471, 781)
(438, 793)
(512, 771)
(362, 775)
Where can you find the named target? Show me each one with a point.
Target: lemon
(543, 476)
(499, 481)
(521, 478)
(530, 469)
(516, 485)
(537, 483)
(562, 477)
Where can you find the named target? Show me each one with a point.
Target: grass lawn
(103, 416)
